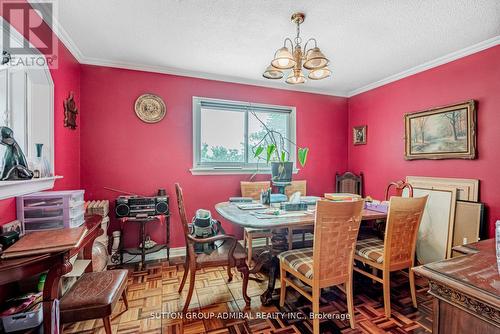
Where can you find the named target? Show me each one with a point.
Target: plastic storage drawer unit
(50, 210)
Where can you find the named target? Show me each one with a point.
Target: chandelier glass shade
(272, 72)
(283, 59)
(312, 60)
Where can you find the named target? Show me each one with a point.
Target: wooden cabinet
(466, 290)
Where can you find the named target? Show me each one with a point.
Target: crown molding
(209, 76)
(58, 30)
(430, 64)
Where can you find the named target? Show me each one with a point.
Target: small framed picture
(359, 135)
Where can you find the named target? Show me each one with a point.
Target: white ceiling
(368, 42)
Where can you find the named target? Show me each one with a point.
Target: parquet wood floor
(154, 303)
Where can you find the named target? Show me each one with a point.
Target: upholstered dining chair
(330, 261)
(253, 190)
(297, 186)
(397, 250)
(228, 253)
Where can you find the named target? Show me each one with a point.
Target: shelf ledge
(10, 189)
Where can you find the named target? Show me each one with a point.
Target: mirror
(27, 101)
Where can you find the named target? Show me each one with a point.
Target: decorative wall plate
(150, 108)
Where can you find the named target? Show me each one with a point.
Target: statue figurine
(15, 166)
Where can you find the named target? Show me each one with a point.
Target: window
(226, 133)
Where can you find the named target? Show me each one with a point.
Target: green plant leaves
(258, 151)
(302, 155)
(270, 150)
(283, 156)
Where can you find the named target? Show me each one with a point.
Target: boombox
(131, 206)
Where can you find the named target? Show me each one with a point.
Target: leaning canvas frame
(467, 189)
(418, 119)
(440, 231)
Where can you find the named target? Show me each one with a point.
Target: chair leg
(125, 300)
(250, 249)
(374, 273)
(350, 301)
(245, 236)
(303, 239)
(244, 270)
(290, 238)
(267, 242)
(184, 277)
(229, 273)
(411, 275)
(315, 301)
(387, 292)
(283, 285)
(191, 289)
(107, 325)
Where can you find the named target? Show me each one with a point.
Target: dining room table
(278, 225)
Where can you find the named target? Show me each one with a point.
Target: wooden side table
(142, 251)
(57, 264)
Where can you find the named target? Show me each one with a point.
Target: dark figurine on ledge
(15, 166)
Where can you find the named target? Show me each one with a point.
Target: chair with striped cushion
(253, 190)
(397, 250)
(330, 261)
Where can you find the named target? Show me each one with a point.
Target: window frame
(210, 168)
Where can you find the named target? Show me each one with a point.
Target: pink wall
(66, 78)
(120, 151)
(382, 159)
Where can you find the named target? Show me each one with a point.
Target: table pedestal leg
(279, 244)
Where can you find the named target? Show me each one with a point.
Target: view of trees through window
(223, 137)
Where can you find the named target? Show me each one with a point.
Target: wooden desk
(279, 240)
(57, 264)
(466, 290)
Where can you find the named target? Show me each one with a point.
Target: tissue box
(278, 198)
(293, 206)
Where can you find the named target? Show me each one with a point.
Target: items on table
(342, 197)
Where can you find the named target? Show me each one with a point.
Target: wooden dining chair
(297, 186)
(399, 189)
(349, 183)
(228, 253)
(253, 190)
(397, 250)
(330, 261)
(379, 226)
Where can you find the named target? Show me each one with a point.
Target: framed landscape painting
(442, 133)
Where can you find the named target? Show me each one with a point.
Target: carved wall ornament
(70, 112)
(150, 108)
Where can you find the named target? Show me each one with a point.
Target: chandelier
(293, 58)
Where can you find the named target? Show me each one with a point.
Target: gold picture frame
(447, 132)
(359, 135)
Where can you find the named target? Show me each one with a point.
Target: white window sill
(10, 189)
(231, 171)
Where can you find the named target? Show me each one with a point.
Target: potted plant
(272, 145)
